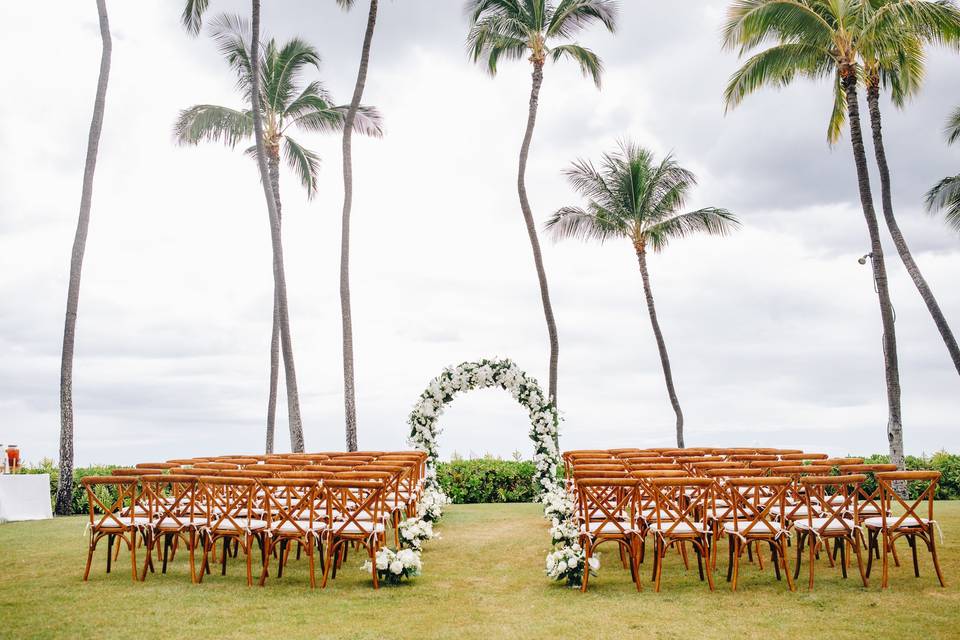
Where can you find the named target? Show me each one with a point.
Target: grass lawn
(484, 579)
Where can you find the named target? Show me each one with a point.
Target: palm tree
(891, 50)
(513, 29)
(287, 105)
(64, 502)
(634, 197)
(192, 19)
(946, 195)
(349, 393)
(819, 39)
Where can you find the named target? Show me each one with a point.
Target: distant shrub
(948, 464)
(487, 480)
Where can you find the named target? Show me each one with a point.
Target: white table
(25, 497)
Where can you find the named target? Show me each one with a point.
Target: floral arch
(544, 419)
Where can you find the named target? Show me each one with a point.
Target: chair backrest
(171, 499)
(681, 504)
(801, 457)
(833, 498)
(291, 504)
(924, 483)
(606, 504)
(156, 465)
(215, 465)
(113, 497)
(354, 506)
(756, 502)
(228, 501)
(270, 467)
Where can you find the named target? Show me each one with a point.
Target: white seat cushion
(288, 527)
(791, 511)
(110, 523)
(877, 523)
(253, 525)
(682, 528)
(820, 524)
(353, 527)
(605, 527)
(760, 528)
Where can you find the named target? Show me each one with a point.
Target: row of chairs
(321, 504)
(752, 498)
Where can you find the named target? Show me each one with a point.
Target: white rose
(396, 567)
(594, 563)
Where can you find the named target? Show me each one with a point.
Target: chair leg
(783, 558)
(587, 552)
(193, 544)
(247, 549)
(265, 559)
(886, 562)
(281, 558)
(91, 547)
(775, 559)
(661, 555)
(328, 563)
(133, 553)
(709, 569)
(310, 560)
(856, 550)
(799, 545)
(843, 557)
(226, 554)
(109, 550)
(936, 560)
(871, 549)
(813, 543)
(730, 558)
(912, 541)
(736, 560)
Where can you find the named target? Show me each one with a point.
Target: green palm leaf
(946, 197)
(304, 163)
(210, 123)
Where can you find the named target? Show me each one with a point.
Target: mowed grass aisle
(484, 579)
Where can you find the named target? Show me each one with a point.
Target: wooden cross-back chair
(605, 507)
(796, 507)
(680, 516)
(914, 519)
(111, 502)
(290, 506)
(834, 500)
(171, 503)
(354, 512)
(229, 503)
(758, 498)
(720, 510)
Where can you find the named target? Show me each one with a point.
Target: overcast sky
(774, 332)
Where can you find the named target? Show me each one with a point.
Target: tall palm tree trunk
(873, 102)
(661, 345)
(892, 373)
(64, 504)
(532, 229)
(349, 392)
(279, 277)
(274, 164)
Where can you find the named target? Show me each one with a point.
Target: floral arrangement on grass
(544, 419)
(563, 533)
(394, 566)
(415, 531)
(431, 504)
(567, 563)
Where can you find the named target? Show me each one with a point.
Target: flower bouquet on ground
(415, 531)
(394, 566)
(568, 563)
(430, 507)
(563, 533)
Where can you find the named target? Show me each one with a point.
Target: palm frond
(590, 64)
(232, 35)
(192, 16)
(575, 222)
(945, 196)
(571, 16)
(303, 162)
(777, 67)
(953, 127)
(838, 115)
(283, 67)
(750, 23)
(211, 123)
(496, 36)
(710, 220)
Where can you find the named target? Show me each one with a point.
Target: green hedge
(947, 464)
(487, 480)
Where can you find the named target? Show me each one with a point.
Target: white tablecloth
(25, 497)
